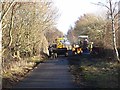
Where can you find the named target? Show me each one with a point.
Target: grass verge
(96, 73)
(19, 70)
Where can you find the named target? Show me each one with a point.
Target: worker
(90, 46)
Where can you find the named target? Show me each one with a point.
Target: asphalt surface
(50, 74)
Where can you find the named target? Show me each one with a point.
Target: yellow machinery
(60, 42)
(85, 45)
(61, 47)
(76, 49)
(79, 48)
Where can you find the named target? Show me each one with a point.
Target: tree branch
(116, 14)
(2, 17)
(101, 4)
(4, 26)
(115, 7)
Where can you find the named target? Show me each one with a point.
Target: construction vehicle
(82, 46)
(85, 44)
(76, 49)
(59, 47)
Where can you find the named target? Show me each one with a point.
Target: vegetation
(53, 34)
(104, 32)
(24, 43)
(29, 27)
(112, 16)
(95, 73)
(102, 70)
(91, 25)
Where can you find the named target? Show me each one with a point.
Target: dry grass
(18, 70)
(96, 73)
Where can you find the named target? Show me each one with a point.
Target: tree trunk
(114, 41)
(10, 30)
(113, 32)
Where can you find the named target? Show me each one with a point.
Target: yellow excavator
(61, 47)
(60, 42)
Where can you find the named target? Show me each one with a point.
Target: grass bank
(18, 70)
(95, 73)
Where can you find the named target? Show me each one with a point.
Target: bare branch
(117, 29)
(4, 26)
(101, 4)
(116, 14)
(115, 5)
(2, 17)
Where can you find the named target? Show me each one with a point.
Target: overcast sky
(70, 10)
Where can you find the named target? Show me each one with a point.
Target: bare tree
(23, 27)
(112, 13)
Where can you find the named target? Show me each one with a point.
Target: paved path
(51, 74)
